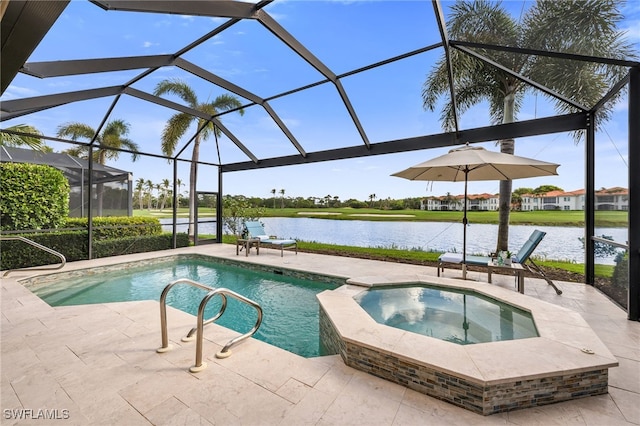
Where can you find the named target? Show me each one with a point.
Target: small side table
(247, 243)
(513, 269)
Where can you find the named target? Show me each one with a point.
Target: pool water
(290, 307)
(447, 314)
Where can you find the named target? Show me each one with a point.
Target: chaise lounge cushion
(457, 258)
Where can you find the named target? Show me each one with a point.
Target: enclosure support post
(589, 200)
(130, 192)
(219, 208)
(175, 203)
(633, 300)
(90, 206)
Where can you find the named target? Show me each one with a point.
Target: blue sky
(344, 35)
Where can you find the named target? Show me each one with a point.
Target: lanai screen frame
(35, 18)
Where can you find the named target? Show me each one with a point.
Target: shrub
(137, 244)
(73, 245)
(105, 228)
(620, 276)
(396, 205)
(355, 204)
(17, 254)
(32, 196)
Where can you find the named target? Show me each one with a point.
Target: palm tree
(179, 197)
(372, 197)
(273, 191)
(282, 198)
(32, 142)
(150, 187)
(592, 32)
(164, 188)
(108, 145)
(140, 188)
(179, 123)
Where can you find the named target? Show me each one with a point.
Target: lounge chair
(523, 257)
(255, 229)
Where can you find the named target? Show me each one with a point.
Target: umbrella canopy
(476, 163)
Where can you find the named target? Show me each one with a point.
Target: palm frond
(175, 128)
(77, 151)
(179, 88)
(593, 31)
(32, 141)
(76, 131)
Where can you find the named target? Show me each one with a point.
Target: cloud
(14, 92)
(291, 122)
(216, 40)
(148, 44)
(163, 23)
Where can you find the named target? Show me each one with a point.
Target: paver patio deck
(96, 364)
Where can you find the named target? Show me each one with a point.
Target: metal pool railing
(199, 329)
(41, 247)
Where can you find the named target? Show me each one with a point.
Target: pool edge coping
(493, 363)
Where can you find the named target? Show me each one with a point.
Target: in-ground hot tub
(458, 316)
(566, 361)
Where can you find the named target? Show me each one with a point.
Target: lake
(560, 243)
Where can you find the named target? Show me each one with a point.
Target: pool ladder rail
(63, 259)
(198, 330)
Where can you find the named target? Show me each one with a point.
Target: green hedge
(32, 196)
(18, 254)
(107, 228)
(73, 245)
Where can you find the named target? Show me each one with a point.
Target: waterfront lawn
(540, 217)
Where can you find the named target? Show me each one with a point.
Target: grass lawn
(542, 218)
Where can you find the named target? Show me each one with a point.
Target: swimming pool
(458, 316)
(290, 306)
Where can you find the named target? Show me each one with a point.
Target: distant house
(615, 198)
(554, 200)
(484, 202)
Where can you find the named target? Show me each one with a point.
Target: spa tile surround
(567, 361)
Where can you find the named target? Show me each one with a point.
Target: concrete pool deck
(96, 364)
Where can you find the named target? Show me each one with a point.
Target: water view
(560, 243)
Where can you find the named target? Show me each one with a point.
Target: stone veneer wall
(479, 398)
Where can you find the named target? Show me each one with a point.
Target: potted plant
(504, 258)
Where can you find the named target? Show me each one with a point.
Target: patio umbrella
(476, 163)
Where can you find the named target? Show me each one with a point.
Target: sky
(344, 35)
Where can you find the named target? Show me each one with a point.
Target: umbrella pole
(464, 227)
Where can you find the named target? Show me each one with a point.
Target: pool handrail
(223, 292)
(163, 311)
(41, 247)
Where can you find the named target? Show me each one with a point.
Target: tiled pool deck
(96, 364)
